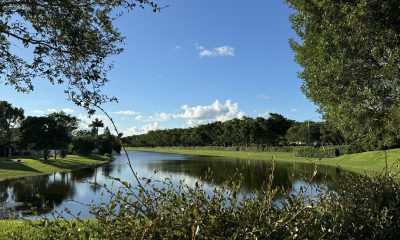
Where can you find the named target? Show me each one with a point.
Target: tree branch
(31, 40)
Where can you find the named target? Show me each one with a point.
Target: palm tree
(95, 125)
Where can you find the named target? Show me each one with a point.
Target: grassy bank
(19, 229)
(370, 162)
(8, 227)
(26, 166)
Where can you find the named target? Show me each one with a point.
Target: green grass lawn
(7, 227)
(370, 162)
(26, 166)
(28, 230)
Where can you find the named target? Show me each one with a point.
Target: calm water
(60, 190)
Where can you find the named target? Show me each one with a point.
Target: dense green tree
(70, 41)
(330, 135)
(215, 130)
(350, 54)
(305, 132)
(43, 134)
(10, 118)
(234, 133)
(260, 135)
(83, 143)
(95, 125)
(277, 126)
(244, 132)
(108, 143)
(297, 133)
(69, 124)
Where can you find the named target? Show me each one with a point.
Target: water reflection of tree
(42, 193)
(107, 169)
(83, 174)
(255, 173)
(88, 174)
(3, 192)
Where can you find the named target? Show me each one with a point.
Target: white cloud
(157, 117)
(222, 51)
(163, 116)
(215, 111)
(143, 129)
(52, 110)
(36, 111)
(195, 115)
(127, 112)
(68, 110)
(265, 114)
(294, 110)
(264, 97)
(192, 122)
(177, 47)
(139, 117)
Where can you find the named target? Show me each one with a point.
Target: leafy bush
(83, 144)
(255, 148)
(26, 153)
(279, 149)
(357, 207)
(369, 206)
(300, 151)
(317, 152)
(63, 153)
(325, 152)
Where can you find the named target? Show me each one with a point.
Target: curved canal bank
(17, 167)
(67, 190)
(60, 190)
(366, 162)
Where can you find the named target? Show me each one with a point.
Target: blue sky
(194, 62)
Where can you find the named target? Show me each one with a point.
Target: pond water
(57, 191)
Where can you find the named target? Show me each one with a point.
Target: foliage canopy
(70, 43)
(350, 54)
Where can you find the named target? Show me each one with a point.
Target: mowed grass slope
(8, 227)
(370, 162)
(26, 166)
(21, 229)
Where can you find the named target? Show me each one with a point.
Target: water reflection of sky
(71, 190)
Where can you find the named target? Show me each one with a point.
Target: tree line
(58, 131)
(276, 130)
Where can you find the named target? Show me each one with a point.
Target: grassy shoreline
(10, 168)
(362, 162)
(367, 162)
(16, 167)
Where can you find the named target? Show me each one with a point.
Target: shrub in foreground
(357, 207)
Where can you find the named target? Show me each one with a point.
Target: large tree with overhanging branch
(350, 54)
(66, 42)
(10, 117)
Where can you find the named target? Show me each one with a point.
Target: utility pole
(308, 135)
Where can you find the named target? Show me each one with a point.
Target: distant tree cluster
(256, 132)
(57, 132)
